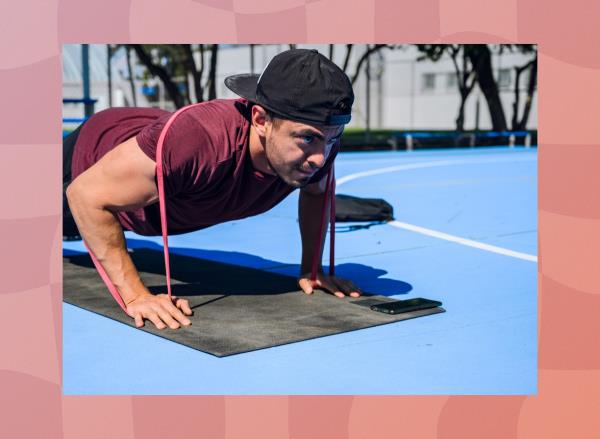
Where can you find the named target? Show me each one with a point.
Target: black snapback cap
(300, 85)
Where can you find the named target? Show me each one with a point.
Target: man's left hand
(337, 286)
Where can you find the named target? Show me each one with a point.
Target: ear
(259, 120)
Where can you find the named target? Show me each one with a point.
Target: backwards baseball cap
(301, 85)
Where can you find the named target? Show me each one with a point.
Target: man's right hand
(122, 180)
(160, 310)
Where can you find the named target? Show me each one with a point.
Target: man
(222, 160)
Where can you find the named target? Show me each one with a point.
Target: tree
(347, 57)
(211, 82)
(175, 66)
(477, 68)
(520, 123)
(369, 51)
(481, 60)
(130, 75)
(465, 75)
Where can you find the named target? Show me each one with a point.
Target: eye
(308, 139)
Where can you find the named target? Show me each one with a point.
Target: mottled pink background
(568, 403)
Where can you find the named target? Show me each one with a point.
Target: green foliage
(176, 66)
(170, 56)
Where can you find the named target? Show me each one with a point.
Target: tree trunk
(109, 73)
(531, 86)
(159, 71)
(347, 57)
(368, 52)
(201, 71)
(515, 116)
(464, 87)
(191, 66)
(481, 59)
(212, 73)
(460, 120)
(130, 71)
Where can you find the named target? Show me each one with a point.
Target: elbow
(71, 193)
(74, 197)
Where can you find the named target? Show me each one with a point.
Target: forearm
(103, 234)
(310, 209)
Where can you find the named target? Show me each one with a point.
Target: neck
(257, 153)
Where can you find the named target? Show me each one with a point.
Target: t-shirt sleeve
(182, 169)
(148, 138)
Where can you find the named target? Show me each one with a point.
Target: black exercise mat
(236, 309)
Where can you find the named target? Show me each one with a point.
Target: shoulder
(218, 115)
(204, 137)
(218, 128)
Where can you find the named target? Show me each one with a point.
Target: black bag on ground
(351, 209)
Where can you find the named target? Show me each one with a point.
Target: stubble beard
(287, 179)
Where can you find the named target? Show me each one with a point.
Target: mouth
(305, 173)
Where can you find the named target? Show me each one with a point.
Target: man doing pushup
(222, 160)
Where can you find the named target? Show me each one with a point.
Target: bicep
(123, 179)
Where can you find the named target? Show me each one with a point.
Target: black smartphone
(401, 306)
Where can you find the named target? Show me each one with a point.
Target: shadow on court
(197, 271)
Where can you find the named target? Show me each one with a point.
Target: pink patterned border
(569, 218)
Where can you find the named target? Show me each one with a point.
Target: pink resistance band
(329, 197)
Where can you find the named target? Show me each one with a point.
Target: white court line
(463, 241)
(435, 233)
(347, 178)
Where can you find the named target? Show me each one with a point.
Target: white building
(98, 61)
(404, 93)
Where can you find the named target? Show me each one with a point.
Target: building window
(428, 81)
(451, 81)
(504, 78)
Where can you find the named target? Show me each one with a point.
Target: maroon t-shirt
(208, 173)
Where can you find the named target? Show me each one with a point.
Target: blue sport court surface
(465, 234)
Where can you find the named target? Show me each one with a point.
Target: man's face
(296, 151)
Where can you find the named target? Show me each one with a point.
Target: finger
(332, 288)
(176, 313)
(153, 317)
(347, 286)
(306, 285)
(139, 320)
(168, 319)
(350, 289)
(184, 305)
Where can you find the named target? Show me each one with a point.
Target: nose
(318, 156)
(316, 160)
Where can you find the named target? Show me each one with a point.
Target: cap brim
(243, 85)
